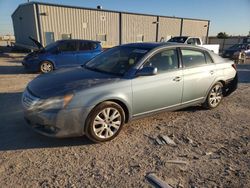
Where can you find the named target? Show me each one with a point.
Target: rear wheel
(214, 97)
(104, 122)
(46, 67)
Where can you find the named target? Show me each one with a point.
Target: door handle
(212, 72)
(177, 79)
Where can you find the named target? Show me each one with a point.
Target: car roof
(146, 45)
(64, 40)
(159, 45)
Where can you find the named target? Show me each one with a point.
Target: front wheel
(104, 122)
(214, 96)
(46, 67)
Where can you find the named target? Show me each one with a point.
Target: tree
(222, 35)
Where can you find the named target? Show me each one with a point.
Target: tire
(214, 96)
(46, 67)
(101, 126)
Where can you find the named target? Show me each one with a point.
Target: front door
(163, 90)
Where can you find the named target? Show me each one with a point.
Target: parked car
(61, 54)
(124, 83)
(235, 49)
(195, 41)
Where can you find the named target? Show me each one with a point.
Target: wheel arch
(49, 60)
(120, 103)
(215, 81)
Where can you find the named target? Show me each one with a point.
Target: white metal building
(50, 22)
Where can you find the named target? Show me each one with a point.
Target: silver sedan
(123, 83)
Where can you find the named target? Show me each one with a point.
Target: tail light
(234, 66)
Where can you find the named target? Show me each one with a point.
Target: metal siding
(195, 28)
(133, 25)
(69, 20)
(63, 20)
(27, 26)
(169, 27)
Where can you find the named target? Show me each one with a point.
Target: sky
(230, 16)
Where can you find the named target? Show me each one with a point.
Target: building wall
(25, 25)
(168, 27)
(195, 28)
(80, 23)
(134, 26)
(111, 27)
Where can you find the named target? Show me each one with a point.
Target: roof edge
(104, 10)
(21, 5)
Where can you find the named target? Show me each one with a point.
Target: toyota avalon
(123, 83)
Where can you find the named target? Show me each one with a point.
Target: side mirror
(147, 71)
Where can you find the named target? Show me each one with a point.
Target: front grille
(28, 100)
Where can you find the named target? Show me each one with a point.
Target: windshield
(117, 60)
(178, 39)
(51, 46)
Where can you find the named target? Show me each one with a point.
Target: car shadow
(192, 109)
(12, 70)
(16, 135)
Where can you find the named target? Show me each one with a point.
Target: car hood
(65, 81)
(38, 44)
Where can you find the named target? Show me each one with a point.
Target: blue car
(61, 54)
(229, 52)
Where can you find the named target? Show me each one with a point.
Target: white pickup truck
(195, 41)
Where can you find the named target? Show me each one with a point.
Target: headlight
(54, 103)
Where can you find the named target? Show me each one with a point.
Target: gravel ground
(212, 145)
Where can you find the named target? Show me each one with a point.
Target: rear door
(152, 93)
(86, 51)
(66, 57)
(199, 73)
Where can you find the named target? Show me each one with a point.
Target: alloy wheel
(215, 95)
(46, 67)
(107, 123)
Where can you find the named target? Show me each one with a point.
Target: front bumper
(54, 122)
(63, 123)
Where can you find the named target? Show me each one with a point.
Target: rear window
(192, 58)
(178, 39)
(84, 46)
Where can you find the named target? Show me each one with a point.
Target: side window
(67, 46)
(83, 46)
(208, 58)
(164, 61)
(192, 58)
(191, 41)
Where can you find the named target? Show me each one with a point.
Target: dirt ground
(212, 145)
